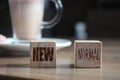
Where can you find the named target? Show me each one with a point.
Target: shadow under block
(42, 54)
(88, 54)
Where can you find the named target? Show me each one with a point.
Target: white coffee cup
(27, 18)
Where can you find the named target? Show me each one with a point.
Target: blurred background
(100, 19)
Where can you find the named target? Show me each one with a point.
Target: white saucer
(9, 45)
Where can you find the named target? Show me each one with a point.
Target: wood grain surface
(88, 54)
(18, 67)
(43, 54)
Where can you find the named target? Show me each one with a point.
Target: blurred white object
(2, 39)
(80, 30)
(23, 48)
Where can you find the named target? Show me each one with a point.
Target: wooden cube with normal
(42, 54)
(88, 53)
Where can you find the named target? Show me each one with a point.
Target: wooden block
(88, 53)
(42, 54)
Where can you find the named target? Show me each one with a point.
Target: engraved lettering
(43, 53)
(88, 54)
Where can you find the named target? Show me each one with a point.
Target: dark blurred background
(102, 18)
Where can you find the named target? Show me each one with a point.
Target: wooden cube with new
(42, 54)
(88, 53)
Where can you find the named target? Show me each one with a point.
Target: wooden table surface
(17, 67)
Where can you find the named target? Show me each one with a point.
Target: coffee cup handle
(57, 17)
